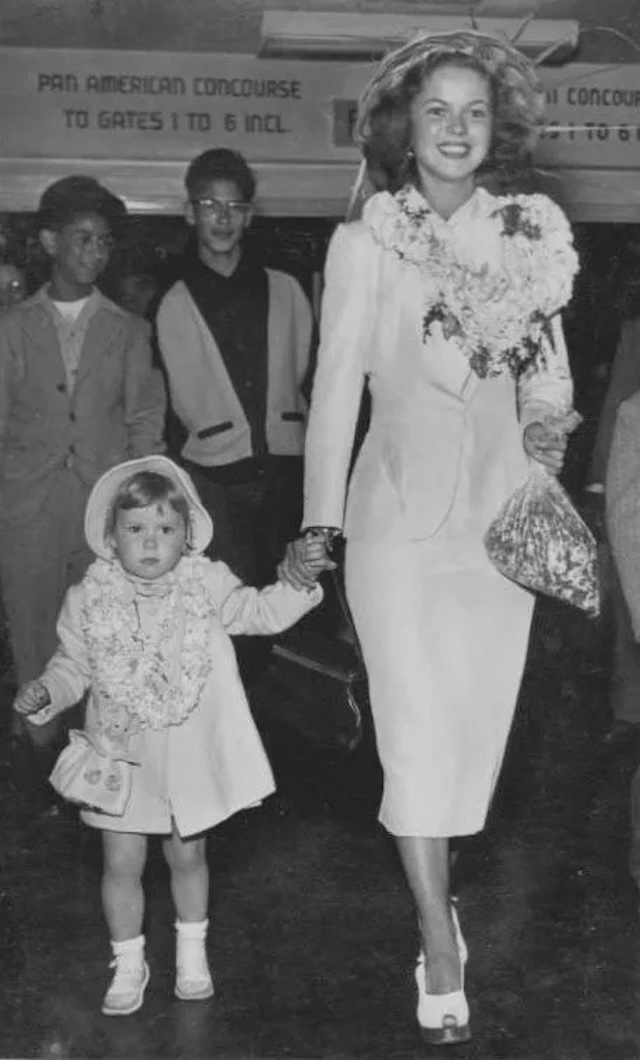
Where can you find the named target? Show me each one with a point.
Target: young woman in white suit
(445, 300)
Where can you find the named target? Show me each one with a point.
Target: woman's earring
(410, 155)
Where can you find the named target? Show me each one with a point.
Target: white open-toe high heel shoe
(444, 1018)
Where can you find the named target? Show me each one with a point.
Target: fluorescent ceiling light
(336, 34)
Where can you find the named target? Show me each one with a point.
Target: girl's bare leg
(187, 863)
(124, 859)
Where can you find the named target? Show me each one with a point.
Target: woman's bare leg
(426, 865)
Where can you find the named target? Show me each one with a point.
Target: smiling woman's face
(451, 125)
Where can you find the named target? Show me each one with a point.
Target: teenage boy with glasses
(235, 341)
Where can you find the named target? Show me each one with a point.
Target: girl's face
(149, 541)
(451, 125)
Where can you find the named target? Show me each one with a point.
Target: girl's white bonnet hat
(103, 493)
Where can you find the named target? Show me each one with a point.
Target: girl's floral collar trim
(146, 679)
(494, 275)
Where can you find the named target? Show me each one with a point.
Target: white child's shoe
(193, 978)
(126, 993)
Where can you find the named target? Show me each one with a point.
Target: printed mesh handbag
(316, 683)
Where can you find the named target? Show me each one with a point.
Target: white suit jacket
(433, 419)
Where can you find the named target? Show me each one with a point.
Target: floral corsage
(493, 285)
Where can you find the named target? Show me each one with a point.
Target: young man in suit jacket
(78, 394)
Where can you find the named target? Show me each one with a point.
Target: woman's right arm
(346, 331)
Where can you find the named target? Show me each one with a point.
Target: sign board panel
(148, 105)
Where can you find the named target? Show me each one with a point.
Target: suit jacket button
(61, 388)
(72, 417)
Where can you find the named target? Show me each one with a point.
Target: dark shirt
(235, 308)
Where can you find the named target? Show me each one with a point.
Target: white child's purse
(86, 773)
(88, 776)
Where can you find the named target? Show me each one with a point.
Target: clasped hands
(305, 559)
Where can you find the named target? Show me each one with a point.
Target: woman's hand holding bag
(546, 444)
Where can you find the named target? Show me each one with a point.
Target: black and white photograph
(319, 529)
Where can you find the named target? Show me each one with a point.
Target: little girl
(147, 635)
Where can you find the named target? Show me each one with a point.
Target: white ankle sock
(192, 929)
(130, 946)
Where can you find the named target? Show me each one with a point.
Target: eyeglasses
(220, 208)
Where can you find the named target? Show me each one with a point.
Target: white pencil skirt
(445, 651)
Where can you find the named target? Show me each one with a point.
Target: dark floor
(312, 937)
